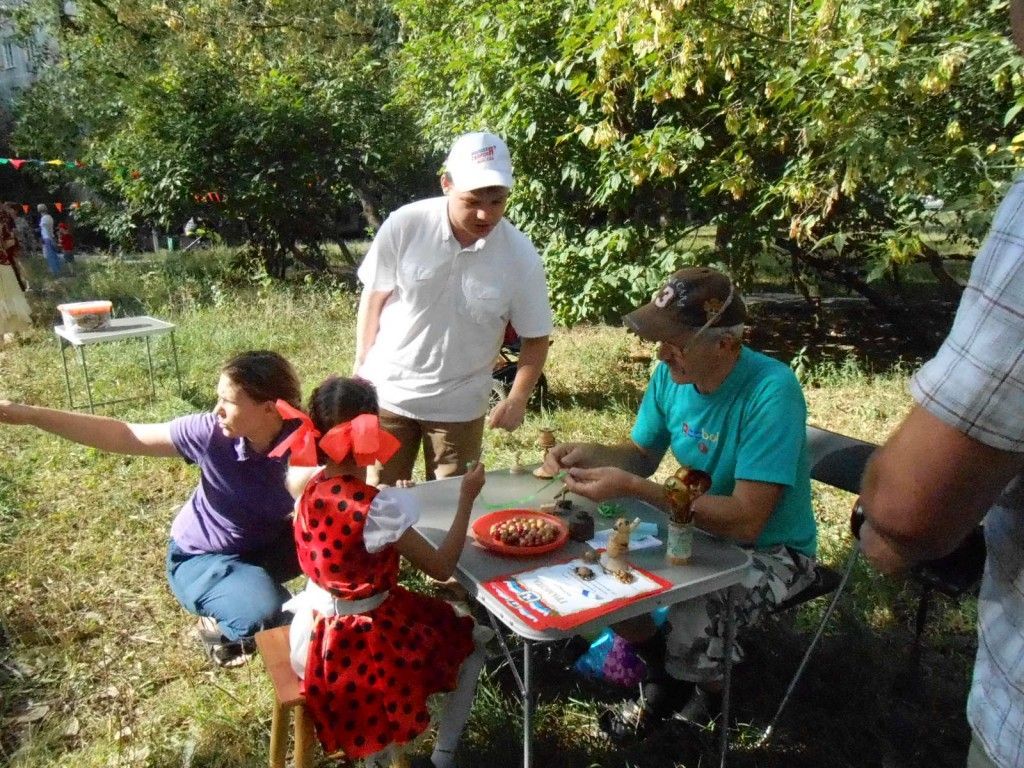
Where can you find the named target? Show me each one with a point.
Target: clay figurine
(614, 558)
(546, 441)
(517, 467)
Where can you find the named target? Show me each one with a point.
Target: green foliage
(804, 132)
(281, 108)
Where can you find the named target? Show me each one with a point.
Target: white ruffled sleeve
(391, 513)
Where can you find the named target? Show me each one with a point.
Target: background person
(14, 310)
(740, 416)
(231, 545)
(23, 231)
(958, 458)
(66, 241)
(442, 279)
(46, 236)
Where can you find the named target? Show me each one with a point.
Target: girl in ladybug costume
(369, 651)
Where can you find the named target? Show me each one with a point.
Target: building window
(32, 56)
(7, 56)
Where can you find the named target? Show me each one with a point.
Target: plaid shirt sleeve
(976, 381)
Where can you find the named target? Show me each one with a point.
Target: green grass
(97, 665)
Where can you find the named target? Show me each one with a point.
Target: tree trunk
(347, 254)
(951, 288)
(371, 208)
(311, 256)
(840, 273)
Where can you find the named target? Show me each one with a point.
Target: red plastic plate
(482, 532)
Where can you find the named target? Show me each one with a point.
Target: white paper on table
(562, 588)
(600, 540)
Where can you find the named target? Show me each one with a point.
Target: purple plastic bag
(611, 658)
(622, 666)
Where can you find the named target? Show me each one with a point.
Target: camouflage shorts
(696, 636)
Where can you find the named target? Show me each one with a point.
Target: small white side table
(119, 329)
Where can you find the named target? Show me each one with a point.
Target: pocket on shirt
(421, 284)
(483, 302)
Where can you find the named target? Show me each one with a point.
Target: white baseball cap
(479, 160)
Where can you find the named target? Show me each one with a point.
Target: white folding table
(715, 565)
(118, 329)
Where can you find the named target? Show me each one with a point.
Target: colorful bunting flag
(58, 206)
(17, 162)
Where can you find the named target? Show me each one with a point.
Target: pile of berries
(524, 532)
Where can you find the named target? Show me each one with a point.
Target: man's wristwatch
(856, 519)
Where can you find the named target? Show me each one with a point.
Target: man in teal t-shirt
(740, 416)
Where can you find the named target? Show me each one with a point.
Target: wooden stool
(273, 645)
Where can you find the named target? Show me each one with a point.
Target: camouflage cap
(692, 298)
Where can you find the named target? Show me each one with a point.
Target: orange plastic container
(84, 316)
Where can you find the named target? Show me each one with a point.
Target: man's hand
(600, 483)
(885, 557)
(508, 414)
(566, 455)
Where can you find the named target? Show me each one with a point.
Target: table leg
(177, 370)
(67, 375)
(527, 704)
(525, 683)
(730, 640)
(88, 382)
(149, 359)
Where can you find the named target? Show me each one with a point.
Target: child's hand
(472, 482)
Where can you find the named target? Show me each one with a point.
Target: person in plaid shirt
(958, 458)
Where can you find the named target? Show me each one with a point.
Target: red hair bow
(363, 437)
(301, 442)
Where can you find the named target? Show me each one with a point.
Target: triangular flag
(59, 207)
(76, 205)
(71, 164)
(55, 162)
(24, 207)
(17, 163)
(4, 161)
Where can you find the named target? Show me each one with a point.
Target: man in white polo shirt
(442, 279)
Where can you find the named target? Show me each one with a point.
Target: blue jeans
(53, 260)
(242, 592)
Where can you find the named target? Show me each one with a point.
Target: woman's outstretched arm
(100, 432)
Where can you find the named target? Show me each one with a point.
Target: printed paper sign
(568, 594)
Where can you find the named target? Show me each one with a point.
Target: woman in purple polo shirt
(231, 545)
